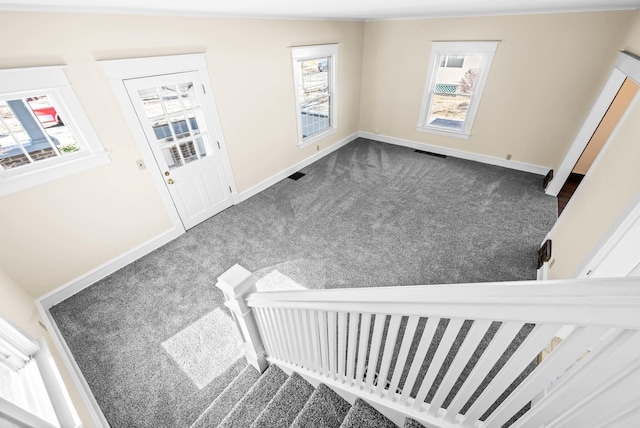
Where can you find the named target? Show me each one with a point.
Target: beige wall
(17, 307)
(539, 89)
(610, 186)
(63, 229)
(605, 192)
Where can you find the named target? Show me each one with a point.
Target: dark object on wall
(544, 253)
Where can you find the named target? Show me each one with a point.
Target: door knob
(170, 181)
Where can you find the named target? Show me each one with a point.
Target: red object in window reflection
(48, 116)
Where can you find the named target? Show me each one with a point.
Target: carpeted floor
(369, 214)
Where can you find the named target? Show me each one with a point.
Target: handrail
(456, 355)
(613, 302)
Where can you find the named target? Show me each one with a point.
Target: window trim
(487, 50)
(299, 53)
(21, 82)
(46, 388)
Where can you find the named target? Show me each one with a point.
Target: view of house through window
(453, 91)
(314, 95)
(456, 77)
(314, 78)
(174, 113)
(44, 132)
(33, 130)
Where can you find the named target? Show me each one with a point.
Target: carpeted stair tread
(412, 423)
(324, 409)
(287, 403)
(225, 402)
(362, 415)
(256, 399)
(200, 400)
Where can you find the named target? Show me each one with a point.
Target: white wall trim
(265, 184)
(74, 286)
(83, 281)
(627, 223)
(627, 65)
(98, 419)
(520, 166)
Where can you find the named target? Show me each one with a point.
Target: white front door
(176, 121)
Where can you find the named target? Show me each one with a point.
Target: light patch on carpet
(276, 281)
(206, 348)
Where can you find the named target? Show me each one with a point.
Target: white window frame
(24, 82)
(301, 53)
(36, 382)
(438, 50)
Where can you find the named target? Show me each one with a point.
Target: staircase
(449, 356)
(274, 399)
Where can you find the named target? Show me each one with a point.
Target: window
(31, 390)
(314, 72)
(455, 80)
(44, 133)
(452, 61)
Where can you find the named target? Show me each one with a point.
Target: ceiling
(323, 9)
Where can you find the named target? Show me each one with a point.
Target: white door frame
(627, 65)
(121, 69)
(617, 252)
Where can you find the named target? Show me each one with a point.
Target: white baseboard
(520, 166)
(83, 281)
(91, 406)
(67, 290)
(254, 190)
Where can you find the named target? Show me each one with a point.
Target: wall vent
(297, 176)
(438, 155)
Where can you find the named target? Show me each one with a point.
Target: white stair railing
(465, 355)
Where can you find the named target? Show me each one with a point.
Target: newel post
(236, 284)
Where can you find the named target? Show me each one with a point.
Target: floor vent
(297, 176)
(438, 155)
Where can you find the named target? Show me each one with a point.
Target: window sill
(308, 141)
(443, 132)
(26, 180)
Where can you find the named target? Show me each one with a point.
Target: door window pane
(172, 157)
(185, 90)
(175, 118)
(188, 150)
(202, 151)
(180, 127)
(170, 99)
(151, 103)
(193, 123)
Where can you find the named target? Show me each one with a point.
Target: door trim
(617, 237)
(122, 69)
(627, 65)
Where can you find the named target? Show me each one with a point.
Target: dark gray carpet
(369, 214)
(324, 409)
(274, 403)
(226, 401)
(255, 400)
(286, 404)
(362, 415)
